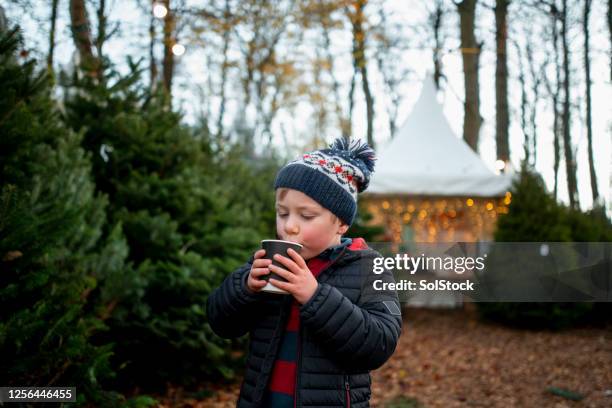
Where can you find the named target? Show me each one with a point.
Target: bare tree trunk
(536, 79)
(266, 25)
(555, 95)
(101, 27)
(250, 69)
(152, 41)
(393, 118)
(360, 63)
(3, 21)
(250, 64)
(81, 34)
(610, 33)
(436, 22)
(570, 164)
(524, 103)
(266, 62)
(318, 100)
(386, 62)
(274, 104)
(224, 68)
(501, 80)
(471, 55)
(346, 132)
(369, 104)
(557, 147)
(52, 36)
(169, 41)
(349, 124)
(587, 72)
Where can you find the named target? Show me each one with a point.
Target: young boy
(316, 346)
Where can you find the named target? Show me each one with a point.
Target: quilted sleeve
(230, 307)
(364, 335)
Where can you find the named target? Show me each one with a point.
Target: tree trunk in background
(81, 34)
(556, 147)
(386, 61)
(351, 98)
(369, 103)
(589, 124)
(52, 36)
(152, 41)
(610, 32)
(3, 21)
(570, 164)
(102, 25)
(501, 80)
(470, 51)
(344, 123)
(357, 18)
(556, 96)
(536, 79)
(224, 69)
(169, 41)
(524, 102)
(436, 23)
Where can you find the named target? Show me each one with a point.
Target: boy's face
(301, 219)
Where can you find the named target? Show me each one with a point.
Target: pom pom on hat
(357, 151)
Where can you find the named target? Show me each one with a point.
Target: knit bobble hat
(332, 177)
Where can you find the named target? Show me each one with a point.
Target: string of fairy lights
(437, 219)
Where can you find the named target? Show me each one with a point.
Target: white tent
(426, 158)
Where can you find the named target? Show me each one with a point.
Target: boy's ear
(343, 228)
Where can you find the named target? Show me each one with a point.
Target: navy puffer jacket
(344, 332)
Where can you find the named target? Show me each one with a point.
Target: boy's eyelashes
(306, 217)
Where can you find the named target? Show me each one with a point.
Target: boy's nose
(292, 229)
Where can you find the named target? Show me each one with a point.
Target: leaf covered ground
(449, 358)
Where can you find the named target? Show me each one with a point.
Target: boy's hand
(259, 269)
(301, 283)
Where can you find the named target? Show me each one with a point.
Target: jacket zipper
(347, 388)
(299, 348)
(281, 324)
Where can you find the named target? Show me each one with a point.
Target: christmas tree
(190, 214)
(61, 265)
(535, 216)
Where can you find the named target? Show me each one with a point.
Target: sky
(191, 78)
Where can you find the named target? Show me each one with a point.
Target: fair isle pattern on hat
(333, 177)
(335, 167)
